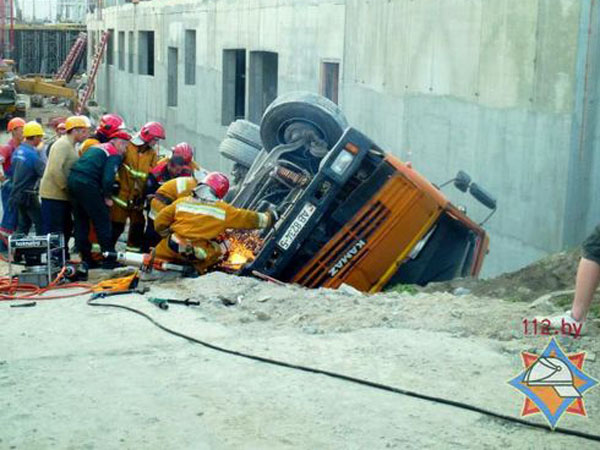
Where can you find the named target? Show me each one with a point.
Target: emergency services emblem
(553, 383)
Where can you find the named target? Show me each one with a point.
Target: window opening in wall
(330, 76)
(234, 85)
(110, 47)
(262, 83)
(131, 51)
(190, 57)
(172, 76)
(146, 52)
(121, 50)
(92, 51)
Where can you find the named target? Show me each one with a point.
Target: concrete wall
(302, 33)
(500, 89)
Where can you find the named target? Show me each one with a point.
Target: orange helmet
(15, 123)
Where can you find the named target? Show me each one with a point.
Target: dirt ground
(75, 376)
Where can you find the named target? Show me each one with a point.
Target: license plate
(296, 227)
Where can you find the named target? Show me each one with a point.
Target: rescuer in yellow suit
(140, 157)
(191, 226)
(169, 192)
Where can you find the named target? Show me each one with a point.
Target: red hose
(9, 289)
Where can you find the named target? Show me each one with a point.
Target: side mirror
(462, 181)
(484, 197)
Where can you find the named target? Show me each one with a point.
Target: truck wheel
(238, 151)
(304, 109)
(245, 131)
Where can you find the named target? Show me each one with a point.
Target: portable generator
(42, 257)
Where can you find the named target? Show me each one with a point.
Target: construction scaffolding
(43, 49)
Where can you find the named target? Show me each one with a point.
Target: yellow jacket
(169, 192)
(197, 220)
(132, 176)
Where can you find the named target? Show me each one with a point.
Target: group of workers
(89, 186)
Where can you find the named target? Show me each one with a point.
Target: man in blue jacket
(90, 185)
(28, 168)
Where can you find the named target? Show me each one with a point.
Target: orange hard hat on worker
(217, 182)
(15, 123)
(152, 131)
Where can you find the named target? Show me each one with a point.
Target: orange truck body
(380, 224)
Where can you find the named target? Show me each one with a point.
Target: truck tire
(238, 151)
(245, 131)
(317, 112)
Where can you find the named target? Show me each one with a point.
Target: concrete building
(505, 90)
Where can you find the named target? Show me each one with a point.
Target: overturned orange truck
(349, 212)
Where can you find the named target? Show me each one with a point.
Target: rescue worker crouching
(90, 185)
(178, 165)
(108, 124)
(140, 157)
(56, 207)
(28, 169)
(192, 225)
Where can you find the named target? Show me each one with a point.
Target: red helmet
(152, 130)
(184, 150)
(109, 123)
(120, 133)
(218, 182)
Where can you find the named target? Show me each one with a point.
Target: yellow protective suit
(191, 227)
(169, 192)
(129, 202)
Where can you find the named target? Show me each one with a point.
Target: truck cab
(350, 213)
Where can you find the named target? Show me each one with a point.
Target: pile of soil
(553, 273)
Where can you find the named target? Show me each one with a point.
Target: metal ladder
(66, 70)
(87, 92)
